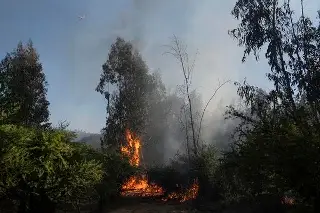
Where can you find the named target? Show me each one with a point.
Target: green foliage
(127, 108)
(276, 147)
(23, 88)
(117, 169)
(204, 167)
(138, 101)
(38, 165)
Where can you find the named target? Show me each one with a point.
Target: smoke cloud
(203, 26)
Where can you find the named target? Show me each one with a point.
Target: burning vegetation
(190, 193)
(139, 185)
(132, 150)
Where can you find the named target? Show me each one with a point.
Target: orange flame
(139, 185)
(132, 150)
(190, 194)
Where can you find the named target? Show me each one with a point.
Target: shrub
(116, 169)
(169, 178)
(204, 168)
(183, 170)
(43, 168)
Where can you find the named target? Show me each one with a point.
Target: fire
(132, 150)
(139, 185)
(288, 201)
(189, 194)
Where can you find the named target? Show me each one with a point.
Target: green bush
(116, 169)
(205, 168)
(42, 169)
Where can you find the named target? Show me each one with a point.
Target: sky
(72, 51)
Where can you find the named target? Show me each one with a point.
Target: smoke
(149, 25)
(203, 26)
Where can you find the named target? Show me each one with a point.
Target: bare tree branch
(178, 50)
(207, 104)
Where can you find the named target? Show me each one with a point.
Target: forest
(268, 161)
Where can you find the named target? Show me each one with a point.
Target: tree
(179, 50)
(158, 110)
(277, 145)
(126, 70)
(292, 49)
(136, 94)
(23, 88)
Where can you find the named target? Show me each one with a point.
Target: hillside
(92, 139)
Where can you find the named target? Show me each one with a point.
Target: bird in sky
(82, 17)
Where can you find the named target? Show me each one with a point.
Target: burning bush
(182, 172)
(137, 184)
(143, 185)
(167, 177)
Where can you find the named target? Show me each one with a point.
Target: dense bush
(183, 171)
(42, 169)
(205, 168)
(116, 169)
(167, 177)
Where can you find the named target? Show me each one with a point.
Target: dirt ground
(152, 208)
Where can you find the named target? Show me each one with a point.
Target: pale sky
(72, 50)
